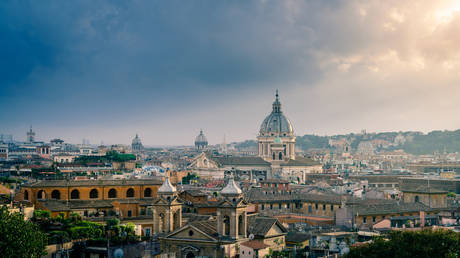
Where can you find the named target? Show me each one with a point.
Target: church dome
(201, 141)
(276, 123)
(231, 188)
(136, 140)
(166, 187)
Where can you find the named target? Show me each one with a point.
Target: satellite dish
(251, 236)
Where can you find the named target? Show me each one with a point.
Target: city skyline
(166, 70)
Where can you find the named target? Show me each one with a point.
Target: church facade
(221, 234)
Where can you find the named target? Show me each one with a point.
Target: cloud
(76, 69)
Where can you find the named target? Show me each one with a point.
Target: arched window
(112, 193)
(176, 220)
(75, 194)
(281, 156)
(148, 192)
(26, 195)
(417, 199)
(130, 193)
(93, 194)
(161, 219)
(41, 195)
(226, 226)
(55, 194)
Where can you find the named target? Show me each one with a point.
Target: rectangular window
(364, 219)
(324, 207)
(288, 205)
(130, 213)
(316, 206)
(271, 206)
(279, 206)
(309, 209)
(373, 219)
(263, 207)
(332, 207)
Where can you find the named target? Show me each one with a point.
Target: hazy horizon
(106, 70)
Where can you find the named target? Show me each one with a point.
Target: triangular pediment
(162, 201)
(203, 161)
(228, 203)
(276, 229)
(190, 232)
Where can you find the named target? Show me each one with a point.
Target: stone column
(245, 224)
(168, 218)
(233, 227)
(155, 221)
(180, 216)
(219, 223)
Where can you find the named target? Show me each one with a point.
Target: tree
(19, 238)
(426, 243)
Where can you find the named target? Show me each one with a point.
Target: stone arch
(94, 194)
(41, 195)
(75, 194)
(161, 221)
(175, 220)
(55, 194)
(112, 193)
(148, 192)
(130, 193)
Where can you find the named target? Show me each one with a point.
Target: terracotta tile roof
(300, 161)
(4, 190)
(259, 226)
(254, 161)
(208, 227)
(255, 244)
(388, 208)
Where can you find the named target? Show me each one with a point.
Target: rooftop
(66, 183)
(255, 244)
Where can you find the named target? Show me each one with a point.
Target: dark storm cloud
(147, 64)
(99, 53)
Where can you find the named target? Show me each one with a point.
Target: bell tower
(167, 210)
(231, 213)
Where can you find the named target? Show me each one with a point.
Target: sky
(106, 70)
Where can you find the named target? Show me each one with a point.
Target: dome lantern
(276, 123)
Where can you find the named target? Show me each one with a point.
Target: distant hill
(410, 142)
